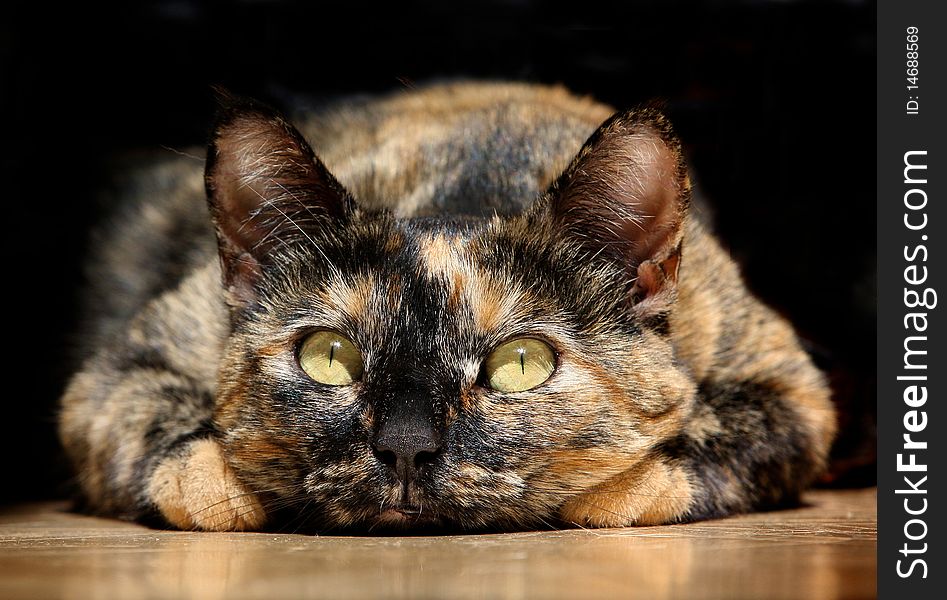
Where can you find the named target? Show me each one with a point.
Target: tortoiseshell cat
(443, 322)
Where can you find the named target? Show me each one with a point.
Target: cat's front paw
(652, 493)
(199, 490)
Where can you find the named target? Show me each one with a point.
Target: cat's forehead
(422, 281)
(452, 261)
(431, 275)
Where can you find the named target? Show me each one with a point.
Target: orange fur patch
(352, 296)
(649, 493)
(492, 304)
(440, 256)
(200, 491)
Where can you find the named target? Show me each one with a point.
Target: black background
(775, 102)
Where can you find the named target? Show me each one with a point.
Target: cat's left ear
(266, 190)
(625, 196)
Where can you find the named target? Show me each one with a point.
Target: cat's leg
(653, 492)
(747, 445)
(763, 421)
(754, 444)
(143, 443)
(197, 489)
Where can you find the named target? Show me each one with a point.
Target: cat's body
(672, 394)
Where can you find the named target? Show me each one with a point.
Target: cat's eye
(519, 365)
(330, 358)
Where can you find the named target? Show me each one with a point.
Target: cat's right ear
(266, 189)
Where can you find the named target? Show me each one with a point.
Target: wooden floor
(823, 550)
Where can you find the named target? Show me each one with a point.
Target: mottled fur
(437, 224)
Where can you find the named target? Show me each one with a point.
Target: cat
(475, 306)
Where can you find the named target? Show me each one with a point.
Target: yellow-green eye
(519, 365)
(330, 358)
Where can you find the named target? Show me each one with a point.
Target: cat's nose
(406, 447)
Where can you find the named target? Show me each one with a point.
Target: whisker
(293, 222)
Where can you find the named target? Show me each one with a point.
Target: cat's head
(471, 373)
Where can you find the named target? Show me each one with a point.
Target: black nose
(406, 447)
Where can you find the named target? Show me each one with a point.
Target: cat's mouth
(406, 516)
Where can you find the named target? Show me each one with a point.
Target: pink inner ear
(654, 276)
(658, 200)
(259, 160)
(627, 188)
(235, 204)
(266, 190)
(265, 185)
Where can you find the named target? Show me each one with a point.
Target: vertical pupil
(522, 352)
(332, 347)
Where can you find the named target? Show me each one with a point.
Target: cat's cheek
(650, 493)
(198, 490)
